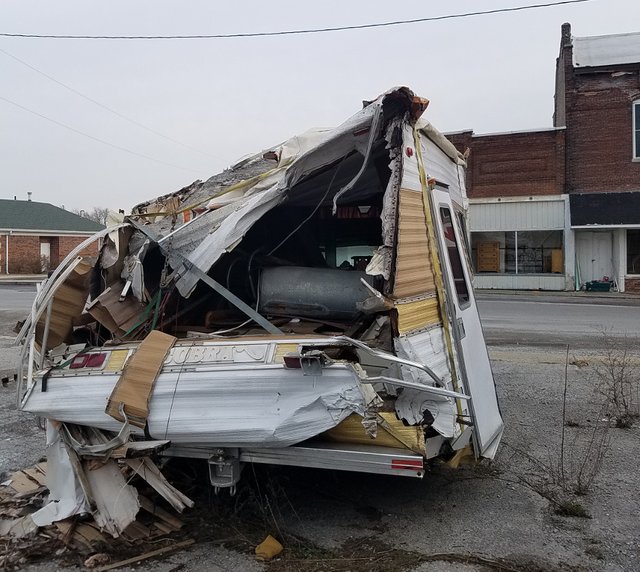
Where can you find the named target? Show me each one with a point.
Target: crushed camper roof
(204, 220)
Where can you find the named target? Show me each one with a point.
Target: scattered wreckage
(310, 306)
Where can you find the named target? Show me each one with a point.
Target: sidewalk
(580, 296)
(21, 278)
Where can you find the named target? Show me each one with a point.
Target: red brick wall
(632, 285)
(599, 132)
(68, 243)
(24, 252)
(513, 164)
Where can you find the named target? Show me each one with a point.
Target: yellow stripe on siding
(116, 360)
(417, 315)
(282, 350)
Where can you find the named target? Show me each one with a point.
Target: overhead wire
(106, 107)
(92, 137)
(298, 31)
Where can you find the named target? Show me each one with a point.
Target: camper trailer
(311, 306)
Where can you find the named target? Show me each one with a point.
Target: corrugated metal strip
(414, 273)
(520, 215)
(417, 315)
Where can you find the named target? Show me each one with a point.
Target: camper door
(474, 365)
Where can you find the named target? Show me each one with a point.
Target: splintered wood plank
(163, 528)
(146, 555)
(135, 449)
(147, 469)
(173, 521)
(90, 533)
(136, 531)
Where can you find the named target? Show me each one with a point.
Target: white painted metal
(607, 50)
(519, 282)
(216, 403)
(517, 215)
(594, 251)
(343, 457)
(475, 368)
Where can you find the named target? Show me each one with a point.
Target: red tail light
(88, 360)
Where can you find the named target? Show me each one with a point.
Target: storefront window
(633, 251)
(521, 252)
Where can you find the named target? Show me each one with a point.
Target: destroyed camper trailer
(310, 306)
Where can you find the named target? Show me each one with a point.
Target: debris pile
(106, 514)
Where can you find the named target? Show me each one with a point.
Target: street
(16, 297)
(553, 319)
(539, 318)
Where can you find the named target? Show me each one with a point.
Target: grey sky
(233, 97)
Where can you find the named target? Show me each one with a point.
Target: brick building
(519, 212)
(35, 237)
(598, 100)
(555, 208)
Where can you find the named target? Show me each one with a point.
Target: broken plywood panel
(148, 470)
(417, 315)
(135, 385)
(115, 315)
(67, 305)
(390, 433)
(116, 502)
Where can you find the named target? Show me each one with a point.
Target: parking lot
(496, 516)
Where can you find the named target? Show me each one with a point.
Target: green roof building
(35, 237)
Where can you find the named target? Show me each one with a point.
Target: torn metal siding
(231, 401)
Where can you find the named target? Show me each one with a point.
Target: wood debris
(25, 491)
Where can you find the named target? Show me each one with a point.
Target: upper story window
(636, 130)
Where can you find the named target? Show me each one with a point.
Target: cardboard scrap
(67, 304)
(135, 385)
(269, 548)
(118, 317)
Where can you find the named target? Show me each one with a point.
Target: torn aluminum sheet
(420, 408)
(276, 411)
(66, 496)
(116, 501)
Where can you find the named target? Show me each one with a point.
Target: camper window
(455, 261)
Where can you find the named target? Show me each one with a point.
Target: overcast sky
(232, 97)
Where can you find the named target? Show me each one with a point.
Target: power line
(95, 138)
(103, 106)
(296, 32)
